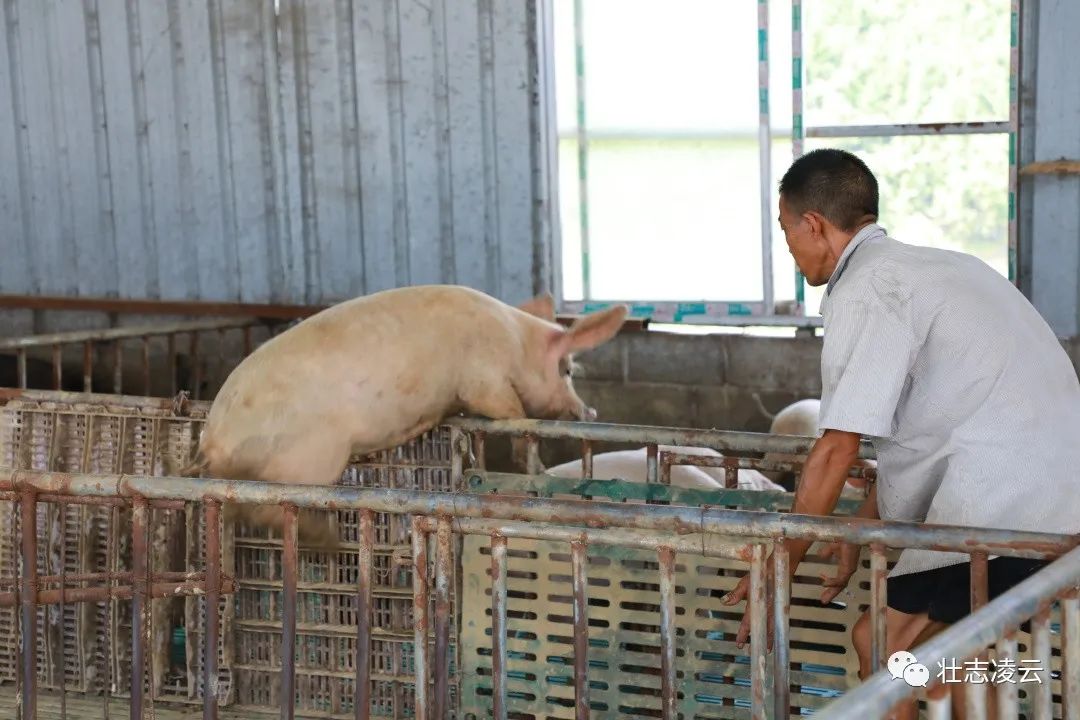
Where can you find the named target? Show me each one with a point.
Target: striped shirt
(971, 402)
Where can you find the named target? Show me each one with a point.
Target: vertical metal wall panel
(1055, 206)
(222, 150)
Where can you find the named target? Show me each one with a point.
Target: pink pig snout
(590, 414)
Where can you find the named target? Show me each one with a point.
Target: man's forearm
(823, 479)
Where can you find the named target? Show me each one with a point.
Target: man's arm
(823, 478)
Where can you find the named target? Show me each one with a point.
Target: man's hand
(742, 592)
(823, 478)
(848, 562)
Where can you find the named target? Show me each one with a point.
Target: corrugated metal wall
(225, 150)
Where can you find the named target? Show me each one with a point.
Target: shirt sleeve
(866, 357)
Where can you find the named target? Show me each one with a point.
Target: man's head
(826, 196)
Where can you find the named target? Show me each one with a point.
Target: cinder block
(783, 364)
(607, 362)
(641, 403)
(672, 358)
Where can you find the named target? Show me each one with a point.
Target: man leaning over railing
(971, 402)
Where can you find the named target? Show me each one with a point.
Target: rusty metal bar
(20, 360)
(586, 459)
(975, 693)
(720, 440)
(139, 552)
(650, 463)
(28, 527)
(668, 671)
(749, 463)
(682, 519)
(1040, 642)
(498, 626)
(57, 368)
(478, 446)
(100, 576)
(731, 478)
(212, 519)
(120, 333)
(118, 367)
(362, 703)
(708, 546)
(781, 618)
(88, 366)
(146, 364)
(942, 128)
(442, 619)
(420, 616)
(939, 702)
(171, 351)
(247, 340)
(532, 456)
(878, 600)
(196, 367)
(578, 562)
(1008, 693)
(1070, 656)
(289, 561)
(758, 627)
(115, 592)
(879, 693)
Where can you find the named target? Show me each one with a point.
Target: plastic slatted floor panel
(624, 620)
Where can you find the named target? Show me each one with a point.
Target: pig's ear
(541, 306)
(592, 330)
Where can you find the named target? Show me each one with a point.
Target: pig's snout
(590, 414)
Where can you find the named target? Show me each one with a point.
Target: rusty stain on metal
(212, 519)
(758, 630)
(781, 618)
(420, 616)
(650, 463)
(289, 563)
(581, 630)
(731, 478)
(442, 618)
(878, 601)
(668, 671)
(56, 368)
(498, 626)
(586, 459)
(139, 626)
(362, 700)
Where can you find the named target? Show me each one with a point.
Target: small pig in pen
(374, 372)
(801, 418)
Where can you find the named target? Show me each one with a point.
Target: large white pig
(631, 465)
(801, 418)
(373, 372)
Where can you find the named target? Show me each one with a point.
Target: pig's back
(378, 364)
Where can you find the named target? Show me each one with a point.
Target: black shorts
(945, 593)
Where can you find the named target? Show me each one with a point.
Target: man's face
(807, 244)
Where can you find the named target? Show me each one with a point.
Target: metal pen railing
(670, 530)
(118, 338)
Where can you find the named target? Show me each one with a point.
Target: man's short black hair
(834, 183)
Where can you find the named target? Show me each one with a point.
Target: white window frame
(764, 311)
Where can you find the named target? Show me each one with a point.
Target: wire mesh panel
(146, 436)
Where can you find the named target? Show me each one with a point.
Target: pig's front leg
(504, 404)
